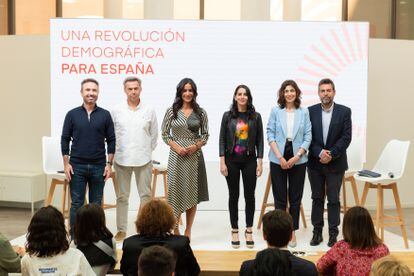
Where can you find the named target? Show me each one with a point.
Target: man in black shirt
(88, 127)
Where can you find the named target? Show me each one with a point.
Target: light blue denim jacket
(277, 128)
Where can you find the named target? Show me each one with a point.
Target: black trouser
(317, 179)
(281, 190)
(248, 171)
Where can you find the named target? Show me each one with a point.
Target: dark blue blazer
(338, 140)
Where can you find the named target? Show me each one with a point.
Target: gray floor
(14, 222)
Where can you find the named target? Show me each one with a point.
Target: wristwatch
(109, 162)
(299, 154)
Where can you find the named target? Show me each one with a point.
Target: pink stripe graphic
(333, 52)
(341, 47)
(327, 59)
(358, 40)
(348, 40)
(311, 72)
(320, 65)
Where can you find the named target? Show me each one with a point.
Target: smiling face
(326, 94)
(187, 94)
(89, 93)
(241, 97)
(290, 94)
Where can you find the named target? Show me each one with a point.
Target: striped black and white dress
(187, 178)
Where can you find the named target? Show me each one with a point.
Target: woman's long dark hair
(178, 101)
(358, 229)
(90, 225)
(46, 235)
(272, 262)
(251, 111)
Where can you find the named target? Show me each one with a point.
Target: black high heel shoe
(234, 244)
(249, 244)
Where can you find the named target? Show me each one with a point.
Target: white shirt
(136, 132)
(71, 262)
(326, 121)
(290, 118)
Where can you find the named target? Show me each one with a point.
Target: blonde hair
(389, 266)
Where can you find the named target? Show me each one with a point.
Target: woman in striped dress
(185, 130)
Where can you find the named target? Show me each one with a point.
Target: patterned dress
(187, 178)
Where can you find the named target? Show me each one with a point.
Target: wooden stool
(66, 203)
(265, 204)
(155, 173)
(65, 185)
(351, 180)
(381, 220)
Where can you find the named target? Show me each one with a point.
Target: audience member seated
(94, 239)
(156, 260)
(154, 225)
(9, 257)
(277, 232)
(47, 247)
(360, 247)
(389, 266)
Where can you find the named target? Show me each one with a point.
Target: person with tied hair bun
(154, 225)
(358, 250)
(47, 247)
(185, 131)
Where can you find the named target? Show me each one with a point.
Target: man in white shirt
(136, 130)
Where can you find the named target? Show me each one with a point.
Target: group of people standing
(316, 137)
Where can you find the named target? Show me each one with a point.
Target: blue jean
(84, 174)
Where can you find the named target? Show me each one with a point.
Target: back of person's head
(358, 229)
(277, 228)
(272, 262)
(46, 235)
(389, 266)
(156, 218)
(90, 225)
(156, 260)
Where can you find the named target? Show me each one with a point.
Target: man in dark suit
(327, 162)
(277, 232)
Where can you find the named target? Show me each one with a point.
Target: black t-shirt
(96, 256)
(241, 143)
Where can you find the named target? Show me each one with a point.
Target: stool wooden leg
(164, 177)
(400, 213)
(49, 198)
(354, 189)
(365, 193)
(378, 212)
(344, 206)
(264, 203)
(381, 212)
(64, 192)
(302, 214)
(154, 182)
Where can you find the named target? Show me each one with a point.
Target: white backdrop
(217, 55)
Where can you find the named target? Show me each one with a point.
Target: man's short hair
(326, 81)
(89, 80)
(156, 260)
(277, 228)
(131, 79)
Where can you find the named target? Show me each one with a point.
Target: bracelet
(109, 162)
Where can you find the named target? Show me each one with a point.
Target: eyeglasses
(298, 253)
